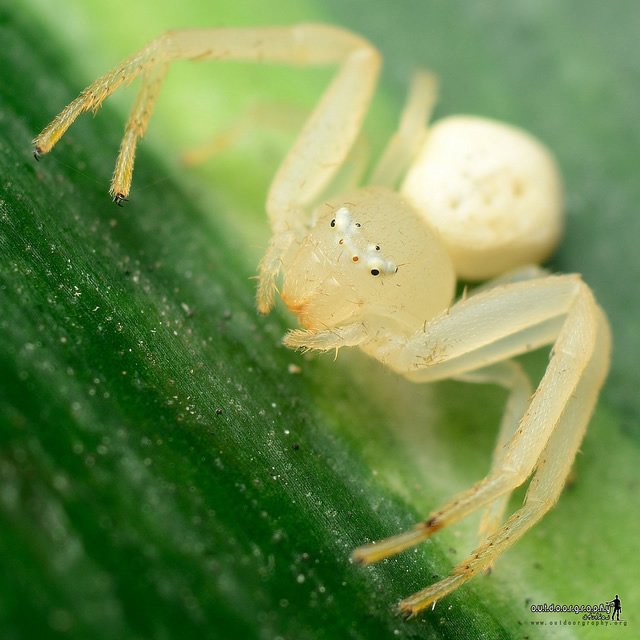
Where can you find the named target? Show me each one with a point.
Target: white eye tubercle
(369, 255)
(376, 263)
(343, 222)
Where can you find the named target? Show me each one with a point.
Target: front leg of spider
(320, 148)
(549, 433)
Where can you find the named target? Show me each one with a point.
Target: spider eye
(333, 222)
(358, 224)
(377, 247)
(375, 272)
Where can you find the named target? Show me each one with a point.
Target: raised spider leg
(320, 147)
(405, 143)
(478, 332)
(136, 127)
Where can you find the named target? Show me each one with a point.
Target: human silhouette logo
(616, 608)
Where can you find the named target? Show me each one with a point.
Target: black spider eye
(333, 222)
(375, 272)
(377, 247)
(358, 224)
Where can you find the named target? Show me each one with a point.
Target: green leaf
(162, 472)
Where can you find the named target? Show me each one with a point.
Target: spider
(376, 266)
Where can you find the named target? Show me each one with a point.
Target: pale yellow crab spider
(376, 267)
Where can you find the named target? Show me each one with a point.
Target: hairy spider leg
(320, 147)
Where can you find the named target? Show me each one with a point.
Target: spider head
(367, 256)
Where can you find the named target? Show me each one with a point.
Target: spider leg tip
(358, 559)
(405, 611)
(120, 199)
